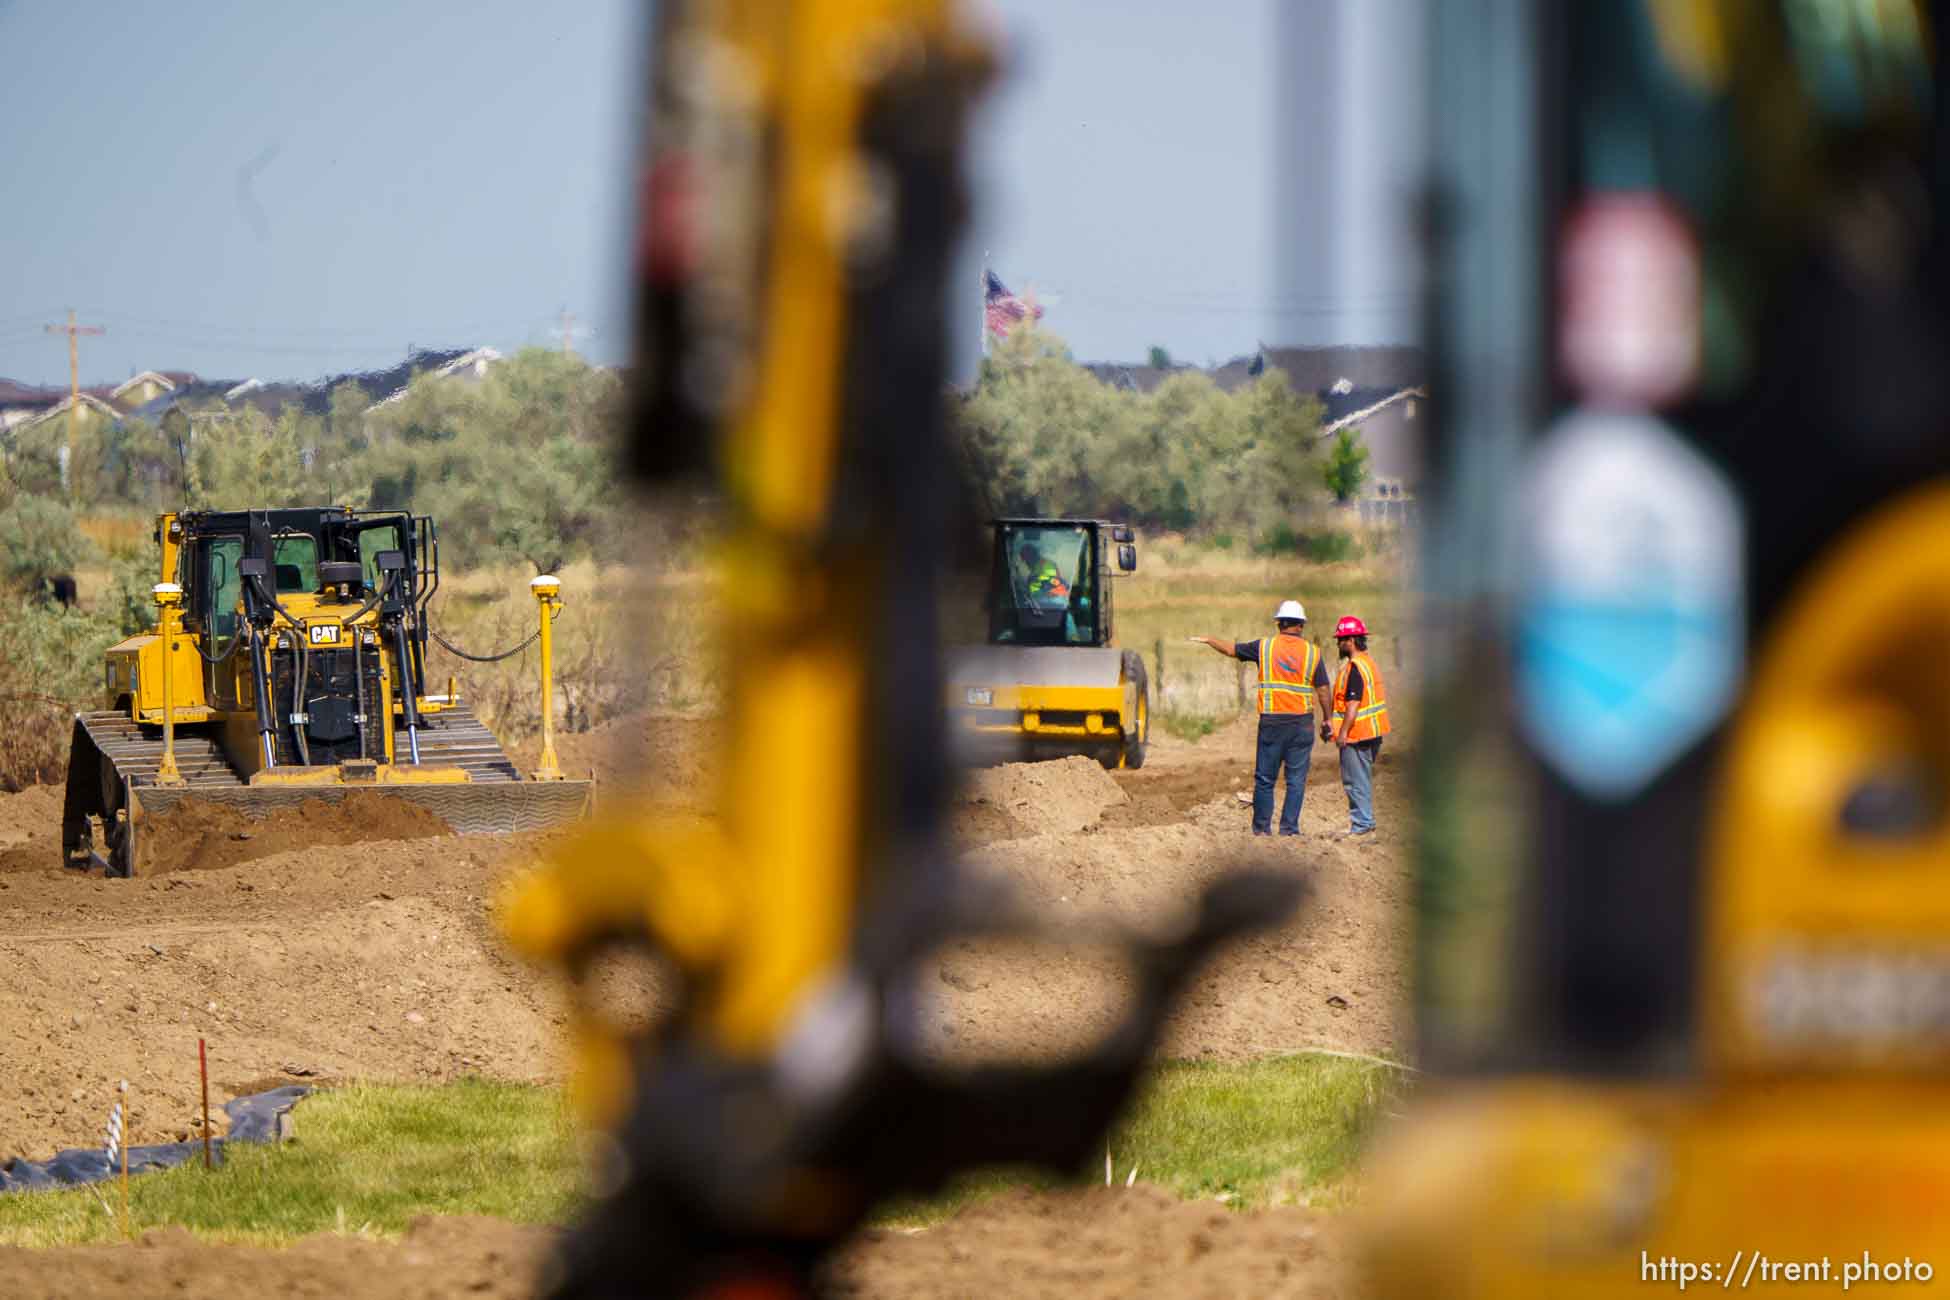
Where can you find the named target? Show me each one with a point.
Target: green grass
(1274, 1131)
(1185, 588)
(366, 1159)
(1189, 726)
(369, 1159)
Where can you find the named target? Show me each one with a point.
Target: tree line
(1040, 434)
(520, 468)
(516, 467)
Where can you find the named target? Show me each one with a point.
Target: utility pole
(74, 333)
(568, 332)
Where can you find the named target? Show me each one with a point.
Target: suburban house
(146, 387)
(199, 399)
(470, 366)
(22, 404)
(33, 419)
(89, 410)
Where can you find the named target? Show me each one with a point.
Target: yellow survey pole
(168, 597)
(548, 595)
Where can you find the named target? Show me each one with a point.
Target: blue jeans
(1291, 744)
(1357, 777)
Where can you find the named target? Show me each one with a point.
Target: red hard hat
(1350, 626)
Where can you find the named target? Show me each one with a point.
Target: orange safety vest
(1286, 674)
(1371, 719)
(1046, 581)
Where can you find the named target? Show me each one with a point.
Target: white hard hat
(1290, 609)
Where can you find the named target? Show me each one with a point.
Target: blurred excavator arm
(800, 208)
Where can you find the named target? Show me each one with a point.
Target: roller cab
(1051, 681)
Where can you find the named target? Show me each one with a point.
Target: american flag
(1005, 309)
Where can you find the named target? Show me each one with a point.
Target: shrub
(128, 602)
(39, 538)
(1281, 541)
(1191, 727)
(50, 665)
(1330, 547)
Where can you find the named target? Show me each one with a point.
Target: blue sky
(288, 191)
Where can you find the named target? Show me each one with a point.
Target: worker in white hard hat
(1293, 687)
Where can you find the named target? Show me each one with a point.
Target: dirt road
(376, 960)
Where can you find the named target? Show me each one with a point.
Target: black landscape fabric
(252, 1119)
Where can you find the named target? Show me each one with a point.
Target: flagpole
(985, 304)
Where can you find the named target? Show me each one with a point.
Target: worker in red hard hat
(1292, 686)
(1359, 722)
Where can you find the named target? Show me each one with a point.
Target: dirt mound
(665, 756)
(671, 759)
(1104, 1242)
(1334, 976)
(22, 814)
(1163, 795)
(371, 962)
(1045, 798)
(199, 836)
(354, 956)
(30, 828)
(438, 1257)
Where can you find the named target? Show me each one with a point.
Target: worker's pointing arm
(1223, 647)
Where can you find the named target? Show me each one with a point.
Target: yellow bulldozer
(1051, 681)
(288, 662)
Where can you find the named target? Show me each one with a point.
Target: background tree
(1346, 467)
(1159, 359)
(39, 539)
(1040, 435)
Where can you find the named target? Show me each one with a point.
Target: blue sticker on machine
(1631, 624)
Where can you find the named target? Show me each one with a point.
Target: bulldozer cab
(1049, 582)
(306, 552)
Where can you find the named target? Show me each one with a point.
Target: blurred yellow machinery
(1688, 1013)
(799, 209)
(1050, 680)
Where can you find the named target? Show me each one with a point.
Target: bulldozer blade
(113, 764)
(468, 809)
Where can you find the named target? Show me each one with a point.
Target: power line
(324, 339)
(34, 317)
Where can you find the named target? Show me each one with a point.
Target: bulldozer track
(451, 738)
